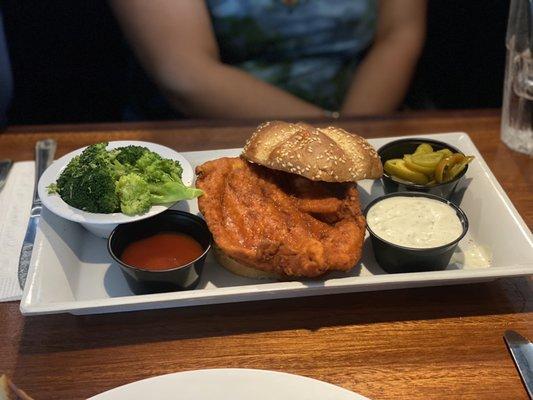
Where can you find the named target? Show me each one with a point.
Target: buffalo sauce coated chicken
(280, 222)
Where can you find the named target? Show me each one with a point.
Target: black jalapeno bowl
(397, 149)
(183, 277)
(394, 258)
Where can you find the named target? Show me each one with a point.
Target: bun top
(320, 154)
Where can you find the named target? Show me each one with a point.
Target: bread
(320, 154)
(241, 269)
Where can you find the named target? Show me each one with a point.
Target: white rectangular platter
(71, 270)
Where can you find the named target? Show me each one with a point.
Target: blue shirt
(307, 47)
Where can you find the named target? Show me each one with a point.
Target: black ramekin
(394, 258)
(397, 149)
(184, 277)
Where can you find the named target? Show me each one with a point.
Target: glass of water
(517, 108)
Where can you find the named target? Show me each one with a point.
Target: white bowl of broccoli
(106, 184)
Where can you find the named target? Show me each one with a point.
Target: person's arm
(382, 79)
(175, 43)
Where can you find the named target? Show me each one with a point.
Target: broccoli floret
(130, 154)
(88, 187)
(121, 169)
(169, 192)
(66, 182)
(102, 186)
(88, 181)
(157, 169)
(52, 188)
(147, 160)
(96, 154)
(171, 168)
(164, 179)
(134, 194)
(160, 177)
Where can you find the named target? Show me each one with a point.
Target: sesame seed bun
(321, 154)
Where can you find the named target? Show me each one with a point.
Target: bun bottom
(241, 269)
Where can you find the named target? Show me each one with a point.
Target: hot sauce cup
(183, 277)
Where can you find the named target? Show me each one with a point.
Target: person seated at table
(6, 79)
(277, 58)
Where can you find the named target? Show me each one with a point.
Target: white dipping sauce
(417, 222)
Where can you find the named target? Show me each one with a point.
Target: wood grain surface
(427, 343)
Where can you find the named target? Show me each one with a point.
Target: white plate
(102, 224)
(229, 384)
(71, 270)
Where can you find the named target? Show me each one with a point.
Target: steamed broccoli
(130, 154)
(88, 182)
(134, 194)
(164, 178)
(124, 159)
(168, 192)
(96, 155)
(156, 169)
(129, 179)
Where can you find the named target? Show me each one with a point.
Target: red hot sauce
(165, 250)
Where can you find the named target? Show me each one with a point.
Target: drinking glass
(517, 108)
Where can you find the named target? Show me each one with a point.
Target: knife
(5, 166)
(521, 350)
(44, 155)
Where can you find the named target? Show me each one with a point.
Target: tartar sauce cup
(183, 277)
(397, 149)
(395, 258)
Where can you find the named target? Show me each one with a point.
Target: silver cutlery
(5, 166)
(521, 350)
(44, 155)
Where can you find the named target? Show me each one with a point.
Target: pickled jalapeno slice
(423, 148)
(427, 159)
(396, 167)
(442, 170)
(446, 152)
(409, 163)
(458, 168)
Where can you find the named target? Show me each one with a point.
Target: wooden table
(427, 343)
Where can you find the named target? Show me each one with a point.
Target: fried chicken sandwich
(288, 206)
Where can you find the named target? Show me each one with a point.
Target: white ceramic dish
(71, 270)
(102, 225)
(229, 384)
